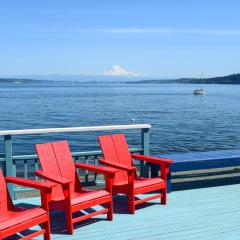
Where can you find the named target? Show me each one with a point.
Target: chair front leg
(110, 211)
(109, 183)
(164, 172)
(69, 220)
(131, 198)
(45, 199)
(68, 211)
(47, 234)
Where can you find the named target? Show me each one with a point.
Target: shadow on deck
(207, 213)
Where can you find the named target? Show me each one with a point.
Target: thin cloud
(163, 31)
(170, 31)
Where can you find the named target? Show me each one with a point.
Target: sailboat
(200, 91)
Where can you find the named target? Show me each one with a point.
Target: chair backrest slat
(121, 147)
(66, 163)
(5, 201)
(115, 149)
(48, 159)
(56, 159)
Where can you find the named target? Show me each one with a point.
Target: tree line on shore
(230, 79)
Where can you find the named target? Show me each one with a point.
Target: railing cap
(75, 129)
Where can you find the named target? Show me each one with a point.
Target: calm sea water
(180, 121)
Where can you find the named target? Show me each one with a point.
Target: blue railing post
(8, 161)
(144, 167)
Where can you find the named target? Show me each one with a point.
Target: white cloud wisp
(163, 31)
(170, 31)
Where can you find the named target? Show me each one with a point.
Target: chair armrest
(161, 161)
(30, 183)
(104, 170)
(117, 165)
(164, 162)
(59, 180)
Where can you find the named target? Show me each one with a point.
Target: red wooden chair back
(3, 195)
(56, 160)
(115, 149)
(5, 200)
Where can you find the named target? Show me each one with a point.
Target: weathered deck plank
(208, 213)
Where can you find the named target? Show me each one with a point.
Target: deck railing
(11, 161)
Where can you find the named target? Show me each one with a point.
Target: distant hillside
(17, 80)
(230, 79)
(66, 79)
(73, 78)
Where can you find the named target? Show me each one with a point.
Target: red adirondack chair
(116, 154)
(58, 167)
(15, 219)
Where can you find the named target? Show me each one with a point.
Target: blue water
(181, 121)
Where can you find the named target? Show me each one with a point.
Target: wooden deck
(207, 214)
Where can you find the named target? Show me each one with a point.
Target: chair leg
(110, 211)
(47, 234)
(69, 221)
(131, 205)
(164, 196)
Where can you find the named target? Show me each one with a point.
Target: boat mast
(202, 80)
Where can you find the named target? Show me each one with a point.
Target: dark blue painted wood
(202, 160)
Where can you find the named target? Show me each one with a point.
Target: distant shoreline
(233, 79)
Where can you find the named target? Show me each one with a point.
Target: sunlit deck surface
(207, 213)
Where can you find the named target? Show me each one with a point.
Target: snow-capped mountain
(118, 71)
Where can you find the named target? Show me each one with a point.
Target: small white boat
(200, 91)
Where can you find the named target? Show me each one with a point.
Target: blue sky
(150, 37)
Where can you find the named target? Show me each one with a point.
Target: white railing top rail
(75, 129)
